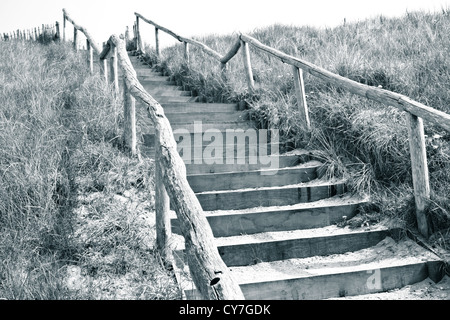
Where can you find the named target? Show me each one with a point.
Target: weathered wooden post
(186, 52)
(75, 39)
(162, 208)
(419, 168)
(58, 35)
(114, 76)
(158, 53)
(64, 27)
(90, 56)
(104, 65)
(127, 36)
(129, 110)
(301, 97)
(138, 36)
(247, 66)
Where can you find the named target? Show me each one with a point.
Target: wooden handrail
(209, 272)
(416, 112)
(400, 101)
(80, 28)
(196, 43)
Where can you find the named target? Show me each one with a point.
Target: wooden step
(208, 117)
(208, 167)
(155, 80)
(169, 92)
(244, 250)
(205, 126)
(254, 179)
(226, 223)
(170, 98)
(197, 107)
(382, 267)
(270, 196)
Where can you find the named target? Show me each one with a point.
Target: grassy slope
(358, 138)
(69, 224)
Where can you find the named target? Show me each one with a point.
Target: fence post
(75, 39)
(114, 77)
(138, 36)
(127, 36)
(186, 52)
(162, 208)
(301, 97)
(90, 56)
(58, 34)
(64, 27)
(157, 43)
(129, 109)
(247, 66)
(419, 168)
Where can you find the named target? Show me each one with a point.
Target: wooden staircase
(277, 230)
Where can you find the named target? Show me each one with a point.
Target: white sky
(200, 17)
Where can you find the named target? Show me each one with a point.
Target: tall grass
(62, 174)
(360, 139)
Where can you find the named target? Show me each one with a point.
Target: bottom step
(383, 267)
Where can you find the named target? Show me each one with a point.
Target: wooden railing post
(75, 39)
(138, 36)
(58, 34)
(158, 53)
(64, 27)
(247, 66)
(186, 52)
(129, 130)
(162, 209)
(90, 56)
(419, 169)
(114, 76)
(301, 97)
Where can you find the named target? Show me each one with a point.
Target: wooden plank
(269, 196)
(337, 285)
(282, 218)
(243, 254)
(210, 274)
(419, 167)
(283, 162)
(255, 179)
(397, 100)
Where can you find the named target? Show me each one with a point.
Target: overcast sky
(200, 17)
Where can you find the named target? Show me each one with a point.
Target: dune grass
(362, 140)
(69, 223)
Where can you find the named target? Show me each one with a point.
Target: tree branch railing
(91, 45)
(416, 112)
(210, 274)
(208, 270)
